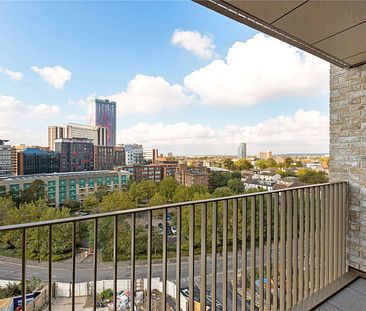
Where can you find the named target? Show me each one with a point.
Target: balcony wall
(348, 152)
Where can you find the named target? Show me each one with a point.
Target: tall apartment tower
(103, 113)
(242, 151)
(55, 132)
(5, 158)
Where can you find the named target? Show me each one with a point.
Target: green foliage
(143, 191)
(72, 205)
(11, 290)
(287, 173)
(217, 180)
(236, 185)
(262, 164)
(288, 162)
(310, 176)
(222, 192)
(36, 191)
(167, 187)
(106, 294)
(158, 199)
(243, 164)
(229, 164)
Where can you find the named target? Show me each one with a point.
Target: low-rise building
(134, 154)
(37, 161)
(191, 175)
(155, 171)
(264, 155)
(103, 158)
(119, 156)
(5, 158)
(60, 187)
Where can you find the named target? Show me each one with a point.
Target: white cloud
(194, 42)
(13, 75)
(305, 131)
(22, 123)
(257, 70)
(147, 94)
(57, 76)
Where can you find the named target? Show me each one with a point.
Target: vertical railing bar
(115, 261)
(312, 239)
(74, 265)
(261, 253)
(95, 265)
(24, 280)
(335, 232)
(203, 257)
(165, 268)
(225, 254)
(268, 251)
(306, 246)
(344, 218)
(317, 238)
(340, 221)
(301, 245)
(149, 260)
(191, 257)
(289, 289)
(214, 255)
(252, 253)
(282, 250)
(331, 233)
(295, 258)
(327, 245)
(50, 267)
(244, 269)
(133, 261)
(235, 253)
(178, 258)
(275, 251)
(322, 234)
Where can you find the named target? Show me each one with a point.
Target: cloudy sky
(185, 78)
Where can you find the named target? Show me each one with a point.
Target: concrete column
(348, 152)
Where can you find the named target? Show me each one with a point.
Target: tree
(243, 164)
(35, 192)
(217, 179)
(310, 176)
(261, 164)
(236, 185)
(167, 187)
(143, 191)
(6, 204)
(222, 192)
(72, 205)
(288, 162)
(90, 203)
(229, 164)
(287, 173)
(271, 162)
(158, 199)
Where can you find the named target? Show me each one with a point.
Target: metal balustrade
(276, 247)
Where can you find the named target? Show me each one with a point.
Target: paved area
(351, 298)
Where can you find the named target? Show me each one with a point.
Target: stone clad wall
(348, 152)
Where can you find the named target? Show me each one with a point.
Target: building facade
(37, 161)
(191, 175)
(55, 132)
(103, 113)
(134, 154)
(103, 158)
(242, 151)
(98, 134)
(76, 154)
(119, 156)
(5, 158)
(61, 187)
(264, 155)
(150, 155)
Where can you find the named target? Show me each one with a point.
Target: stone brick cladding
(347, 112)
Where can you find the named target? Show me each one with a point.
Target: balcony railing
(267, 250)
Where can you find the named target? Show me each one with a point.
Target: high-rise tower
(103, 113)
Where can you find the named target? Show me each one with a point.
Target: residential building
(153, 171)
(76, 154)
(242, 151)
(150, 155)
(103, 158)
(37, 161)
(98, 134)
(133, 154)
(191, 175)
(55, 132)
(75, 186)
(119, 155)
(103, 113)
(264, 155)
(5, 158)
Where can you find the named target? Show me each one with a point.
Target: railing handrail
(151, 208)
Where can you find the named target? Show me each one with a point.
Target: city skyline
(161, 99)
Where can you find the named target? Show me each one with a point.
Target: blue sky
(102, 46)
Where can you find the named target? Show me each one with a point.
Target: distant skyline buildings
(5, 158)
(102, 112)
(242, 150)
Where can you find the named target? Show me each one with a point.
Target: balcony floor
(350, 298)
